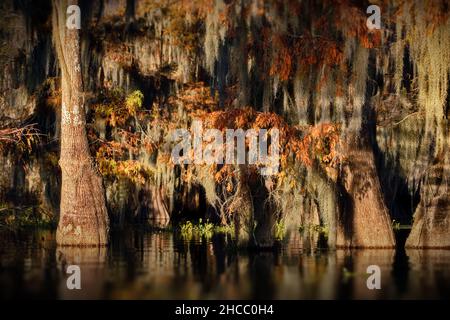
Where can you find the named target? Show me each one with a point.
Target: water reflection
(92, 263)
(142, 265)
(429, 272)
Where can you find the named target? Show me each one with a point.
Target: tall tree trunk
(431, 227)
(83, 215)
(243, 217)
(364, 220)
(159, 213)
(324, 193)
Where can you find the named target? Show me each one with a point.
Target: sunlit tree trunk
(83, 215)
(430, 48)
(431, 226)
(159, 213)
(364, 220)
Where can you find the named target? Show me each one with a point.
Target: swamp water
(161, 265)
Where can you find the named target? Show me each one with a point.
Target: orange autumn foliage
(298, 145)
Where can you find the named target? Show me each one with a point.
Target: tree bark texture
(364, 220)
(158, 212)
(83, 215)
(431, 226)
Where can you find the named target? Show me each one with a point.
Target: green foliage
(134, 101)
(117, 108)
(118, 156)
(186, 229)
(202, 229)
(228, 229)
(133, 170)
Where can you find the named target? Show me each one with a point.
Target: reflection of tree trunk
(361, 260)
(431, 227)
(83, 217)
(91, 261)
(432, 266)
(261, 271)
(364, 221)
(158, 212)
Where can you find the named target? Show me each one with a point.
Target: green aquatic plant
(204, 229)
(314, 228)
(189, 230)
(228, 229)
(396, 225)
(186, 229)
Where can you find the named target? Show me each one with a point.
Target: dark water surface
(149, 265)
